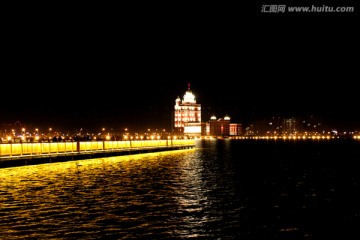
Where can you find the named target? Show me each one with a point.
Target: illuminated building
(291, 126)
(187, 115)
(235, 129)
(220, 127)
(205, 129)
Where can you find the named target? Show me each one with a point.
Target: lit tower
(187, 119)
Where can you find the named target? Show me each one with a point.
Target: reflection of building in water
(187, 115)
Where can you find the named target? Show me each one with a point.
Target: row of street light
(81, 135)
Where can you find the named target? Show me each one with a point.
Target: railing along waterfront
(38, 148)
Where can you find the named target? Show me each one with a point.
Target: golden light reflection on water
(191, 196)
(50, 199)
(216, 192)
(15, 174)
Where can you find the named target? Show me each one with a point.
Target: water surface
(222, 189)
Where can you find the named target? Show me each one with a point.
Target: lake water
(222, 189)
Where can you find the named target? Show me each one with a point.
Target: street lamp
(37, 137)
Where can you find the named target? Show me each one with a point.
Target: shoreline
(23, 160)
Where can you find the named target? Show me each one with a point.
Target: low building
(220, 127)
(235, 129)
(192, 129)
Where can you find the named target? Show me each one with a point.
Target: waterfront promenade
(18, 154)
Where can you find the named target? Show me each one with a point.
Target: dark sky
(93, 69)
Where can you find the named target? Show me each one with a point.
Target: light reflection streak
(191, 197)
(69, 194)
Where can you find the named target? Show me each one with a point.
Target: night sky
(123, 69)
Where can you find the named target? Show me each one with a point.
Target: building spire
(188, 86)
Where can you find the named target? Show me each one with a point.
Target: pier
(19, 154)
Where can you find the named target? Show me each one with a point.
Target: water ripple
(220, 190)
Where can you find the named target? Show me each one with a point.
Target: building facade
(235, 129)
(187, 115)
(220, 127)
